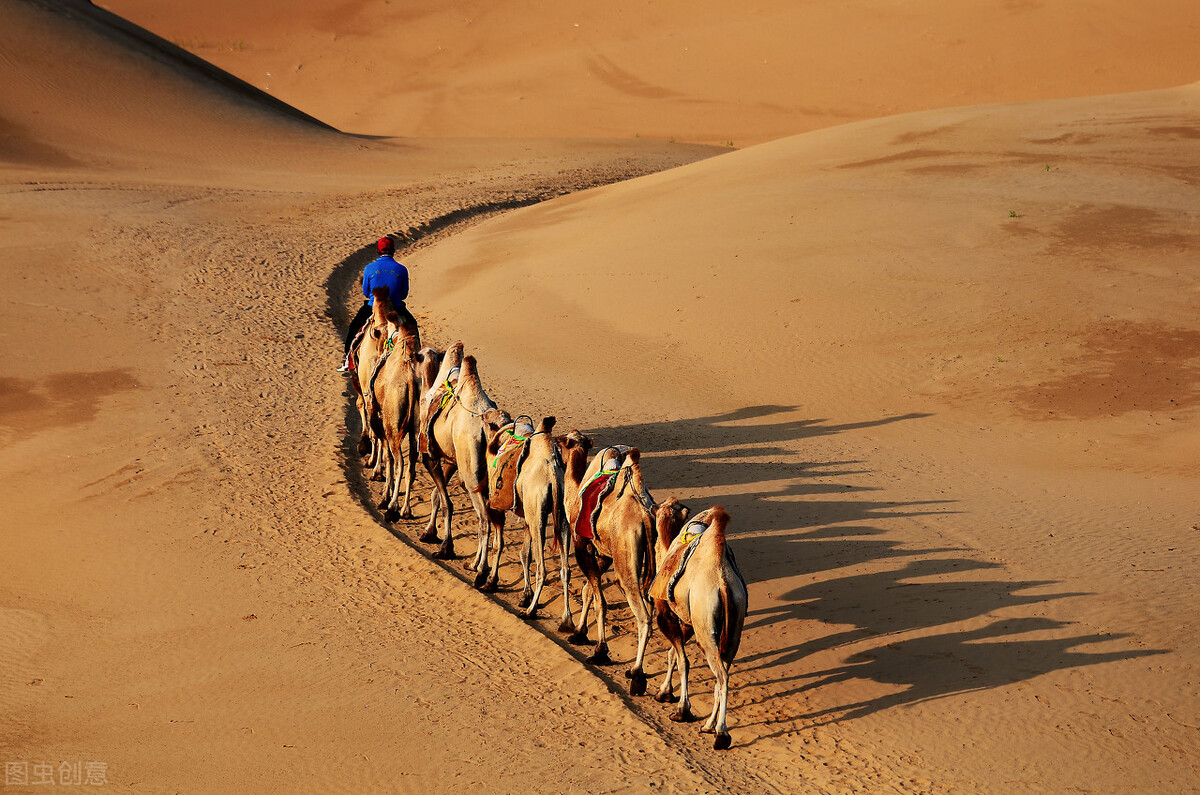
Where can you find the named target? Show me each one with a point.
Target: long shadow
(799, 521)
(930, 667)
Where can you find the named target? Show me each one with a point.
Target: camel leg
(538, 539)
(435, 501)
(564, 575)
(673, 631)
(600, 653)
(720, 669)
(439, 497)
(666, 693)
(396, 461)
(684, 713)
(437, 471)
(364, 439)
(388, 503)
(526, 555)
(716, 721)
(410, 473)
(589, 568)
(495, 529)
(480, 561)
(641, 612)
(491, 523)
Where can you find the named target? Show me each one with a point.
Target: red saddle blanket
(588, 497)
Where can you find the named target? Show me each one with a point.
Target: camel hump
(455, 352)
(634, 456)
(381, 292)
(469, 371)
(547, 424)
(718, 520)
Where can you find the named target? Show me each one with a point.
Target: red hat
(385, 245)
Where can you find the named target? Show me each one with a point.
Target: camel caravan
(673, 570)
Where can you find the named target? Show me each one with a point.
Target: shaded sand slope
(713, 72)
(107, 90)
(943, 370)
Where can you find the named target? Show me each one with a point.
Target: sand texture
(938, 357)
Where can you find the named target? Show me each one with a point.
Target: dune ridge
(714, 74)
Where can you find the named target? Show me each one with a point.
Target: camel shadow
(922, 620)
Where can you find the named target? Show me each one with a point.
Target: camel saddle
(590, 496)
(352, 351)
(441, 399)
(506, 466)
(675, 563)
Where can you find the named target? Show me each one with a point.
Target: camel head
(573, 447)
(669, 520)
(431, 357)
(407, 347)
(494, 421)
(381, 306)
(633, 460)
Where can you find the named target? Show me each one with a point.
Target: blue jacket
(385, 272)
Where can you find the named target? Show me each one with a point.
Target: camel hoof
(390, 515)
(428, 537)
(578, 638)
(566, 625)
(481, 578)
(382, 504)
(378, 478)
(405, 514)
(526, 598)
(530, 612)
(443, 554)
(637, 684)
(682, 716)
(723, 741)
(600, 656)
(364, 447)
(490, 586)
(665, 698)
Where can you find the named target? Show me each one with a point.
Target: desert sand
(940, 366)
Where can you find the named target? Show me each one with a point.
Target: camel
(698, 589)
(392, 408)
(573, 447)
(371, 344)
(526, 474)
(455, 440)
(614, 527)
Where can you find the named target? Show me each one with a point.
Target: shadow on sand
(902, 606)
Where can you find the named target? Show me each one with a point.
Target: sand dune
(940, 367)
(935, 365)
(713, 73)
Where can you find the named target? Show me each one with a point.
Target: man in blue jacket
(383, 272)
